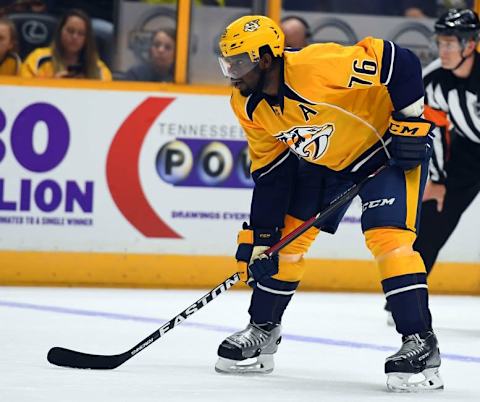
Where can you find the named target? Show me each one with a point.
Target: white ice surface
(320, 358)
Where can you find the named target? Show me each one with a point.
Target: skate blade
(427, 380)
(262, 364)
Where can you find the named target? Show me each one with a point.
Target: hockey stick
(71, 358)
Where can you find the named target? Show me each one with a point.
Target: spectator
(9, 61)
(159, 67)
(296, 30)
(72, 54)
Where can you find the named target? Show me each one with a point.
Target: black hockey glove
(263, 267)
(251, 244)
(412, 139)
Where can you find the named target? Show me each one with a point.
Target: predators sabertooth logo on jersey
(308, 142)
(251, 26)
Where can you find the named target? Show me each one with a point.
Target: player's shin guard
(415, 366)
(269, 300)
(405, 287)
(407, 296)
(272, 295)
(404, 279)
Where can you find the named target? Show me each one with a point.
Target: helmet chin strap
(463, 57)
(460, 63)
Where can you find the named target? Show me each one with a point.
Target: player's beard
(247, 91)
(258, 88)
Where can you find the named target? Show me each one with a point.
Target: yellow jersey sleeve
(335, 66)
(325, 69)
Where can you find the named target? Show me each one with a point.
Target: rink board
(146, 185)
(168, 271)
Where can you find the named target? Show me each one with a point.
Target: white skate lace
(249, 337)
(412, 346)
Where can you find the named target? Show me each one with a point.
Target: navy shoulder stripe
(252, 103)
(387, 62)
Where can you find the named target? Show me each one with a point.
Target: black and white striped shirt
(458, 98)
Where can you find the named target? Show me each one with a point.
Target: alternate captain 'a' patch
(307, 111)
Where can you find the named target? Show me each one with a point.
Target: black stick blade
(71, 358)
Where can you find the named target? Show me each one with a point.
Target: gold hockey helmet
(241, 41)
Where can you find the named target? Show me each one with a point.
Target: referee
(452, 87)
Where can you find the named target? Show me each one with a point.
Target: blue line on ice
(218, 328)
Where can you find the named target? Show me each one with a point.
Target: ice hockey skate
(415, 366)
(249, 351)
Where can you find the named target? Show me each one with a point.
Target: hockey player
(318, 120)
(452, 85)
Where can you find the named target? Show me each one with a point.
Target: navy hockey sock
(407, 297)
(270, 299)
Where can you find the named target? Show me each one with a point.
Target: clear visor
(236, 66)
(448, 45)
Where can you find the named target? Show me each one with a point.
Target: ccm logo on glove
(410, 128)
(411, 142)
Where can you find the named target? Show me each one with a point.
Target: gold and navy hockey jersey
(333, 105)
(332, 109)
